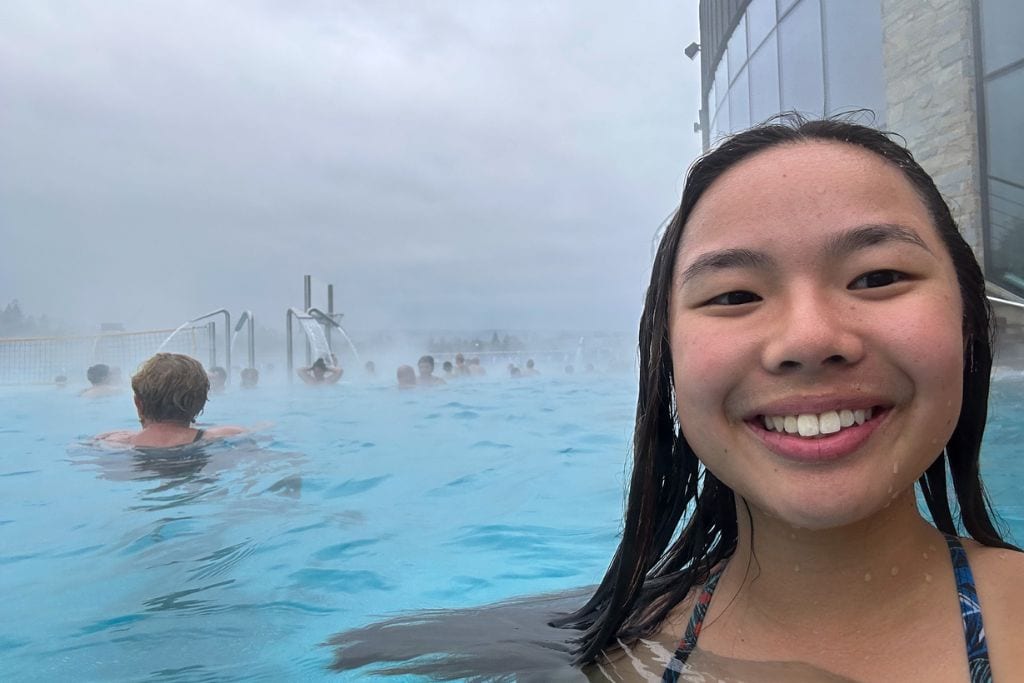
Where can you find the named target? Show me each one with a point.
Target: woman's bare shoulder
(645, 657)
(999, 580)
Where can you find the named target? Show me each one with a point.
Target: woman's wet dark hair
(656, 565)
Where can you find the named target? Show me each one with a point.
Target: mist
(445, 165)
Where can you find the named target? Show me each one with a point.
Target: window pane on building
(739, 103)
(785, 5)
(712, 103)
(854, 75)
(760, 22)
(763, 72)
(800, 54)
(1002, 32)
(737, 49)
(720, 128)
(722, 78)
(1004, 102)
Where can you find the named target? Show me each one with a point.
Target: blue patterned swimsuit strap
(689, 641)
(970, 613)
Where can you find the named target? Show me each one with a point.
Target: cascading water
(350, 344)
(171, 335)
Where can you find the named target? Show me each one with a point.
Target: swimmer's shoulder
(223, 431)
(999, 580)
(121, 437)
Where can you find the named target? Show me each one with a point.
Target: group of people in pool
(105, 380)
(815, 346)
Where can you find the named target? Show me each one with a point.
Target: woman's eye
(736, 298)
(878, 278)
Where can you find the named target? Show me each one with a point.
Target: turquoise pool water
(357, 502)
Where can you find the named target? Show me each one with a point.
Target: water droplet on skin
(924, 555)
(792, 536)
(796, 568)
(895, 468)
(894, 571)
(928, 578)
(890, 489)
(867, 577)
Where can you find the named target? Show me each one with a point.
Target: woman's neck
(164, 425)
(802, 574)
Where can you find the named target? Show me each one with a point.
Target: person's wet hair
(171, 387)
(98, 374)
(654, 568)
(250, 377)
(406, 376)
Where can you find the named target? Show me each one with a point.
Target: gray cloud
(444, 164)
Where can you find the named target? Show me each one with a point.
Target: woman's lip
(818, 406)
(821, 448)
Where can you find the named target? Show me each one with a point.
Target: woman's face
(815, 326)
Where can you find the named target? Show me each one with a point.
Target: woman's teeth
(809, 424)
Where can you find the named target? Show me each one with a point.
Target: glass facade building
(822, 57)
(1002, 68)
(817, 57)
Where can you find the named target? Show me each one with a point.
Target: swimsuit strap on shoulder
(970, 613)
(689, 641)
(199, 435)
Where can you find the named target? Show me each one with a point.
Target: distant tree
(14, 323)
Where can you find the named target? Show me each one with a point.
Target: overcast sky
(447, 165)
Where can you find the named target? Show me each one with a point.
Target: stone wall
(931, 97)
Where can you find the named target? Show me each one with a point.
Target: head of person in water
(406, 377)
(319, 368)
(370, 368)
(250, 378)
(98, 374)
(170, 387)
(448, 367)
(426, 366)
(529, 364)
(218, 378)
(806, 257)
(61, 381)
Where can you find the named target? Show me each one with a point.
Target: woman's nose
(812, 333)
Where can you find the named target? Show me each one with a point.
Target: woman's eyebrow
(837, 247)
(725, 259)
(865, 236)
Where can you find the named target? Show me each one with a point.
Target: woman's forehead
(804, 189)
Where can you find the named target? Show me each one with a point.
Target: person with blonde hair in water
(170, 391)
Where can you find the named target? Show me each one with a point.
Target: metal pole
(227, 346)
(252, 342)
(330, 312)
(308, 302)
(211, 329)
(288, 342)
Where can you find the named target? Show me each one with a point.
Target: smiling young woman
(815, 340)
